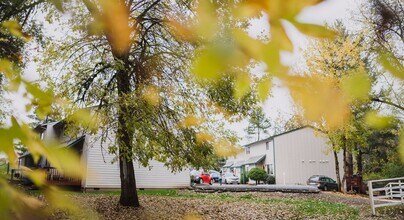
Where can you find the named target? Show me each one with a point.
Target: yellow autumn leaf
(374, 120)
(65, 161)
(224, 147)
(38, 177)
(314, 30)
(208, 64)
(7, 68)
(264, 88)
(86, 119)
(356, 86)
(251, 47)
(15, 29)
(151, 95)
(401, 145)
(391, 64)
(58, 4)
(115, 17)
(241, 85)
(190, 121)
(206, 26)
(204, 137)
(279, 37)
(320, 98)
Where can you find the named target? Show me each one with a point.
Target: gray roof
(255, 159)
(67, 144)
(228, 164)
(238, 164)
(276, 135)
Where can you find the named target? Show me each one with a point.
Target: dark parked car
(215, 176)
(322, 182)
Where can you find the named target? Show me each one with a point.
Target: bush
(270, 180)
(257, 174)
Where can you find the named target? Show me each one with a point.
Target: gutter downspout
(273, 149)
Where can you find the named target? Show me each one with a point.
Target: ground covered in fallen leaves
(184, 204)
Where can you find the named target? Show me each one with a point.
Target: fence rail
(389, 194)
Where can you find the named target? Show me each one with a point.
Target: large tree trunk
(337, 171)
(349, 170)
(345, 170)
(359, 162)
(124, 134)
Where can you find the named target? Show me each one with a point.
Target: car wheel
(325, 188)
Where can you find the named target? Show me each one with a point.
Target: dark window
(247, 150)
(267, 145)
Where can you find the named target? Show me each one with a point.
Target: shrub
(257, 174)
(270, 179)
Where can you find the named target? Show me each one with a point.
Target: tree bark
(359, 162)
(337, 171)
(349, 170)
(345, 170)
(124, 135)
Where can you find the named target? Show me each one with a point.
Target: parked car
(230, 178)
(215, 176)
(205, 178)
(322, 182)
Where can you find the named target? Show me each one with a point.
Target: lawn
(180, 204)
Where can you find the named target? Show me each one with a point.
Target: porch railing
(53, 176)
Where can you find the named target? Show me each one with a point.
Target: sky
(280, 103)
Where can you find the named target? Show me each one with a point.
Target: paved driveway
(256, 188)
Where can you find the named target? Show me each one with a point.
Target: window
(270, 169)
(267, 145)
(247, 150)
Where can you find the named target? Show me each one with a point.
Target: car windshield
(314, 178)
(229, 174)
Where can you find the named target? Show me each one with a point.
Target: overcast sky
(279, 104)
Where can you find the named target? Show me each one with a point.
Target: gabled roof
(228, 164)
(255, 159)
(276, 135)
(67, 144)
(238, 164)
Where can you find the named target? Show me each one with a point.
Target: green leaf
(391, 64)
(401, 145)
(58, 4)
(314, 30)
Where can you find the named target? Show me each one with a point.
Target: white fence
(386, 192)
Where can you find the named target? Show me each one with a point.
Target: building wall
(103, 170)
(301, 154)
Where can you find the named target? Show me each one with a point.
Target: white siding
(301, 154)
(102, 173)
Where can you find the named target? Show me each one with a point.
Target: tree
(258, 123)
(131, 65)
(257, 174)
(342, 63)
(384, 20)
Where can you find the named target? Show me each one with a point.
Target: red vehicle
(205, 178)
